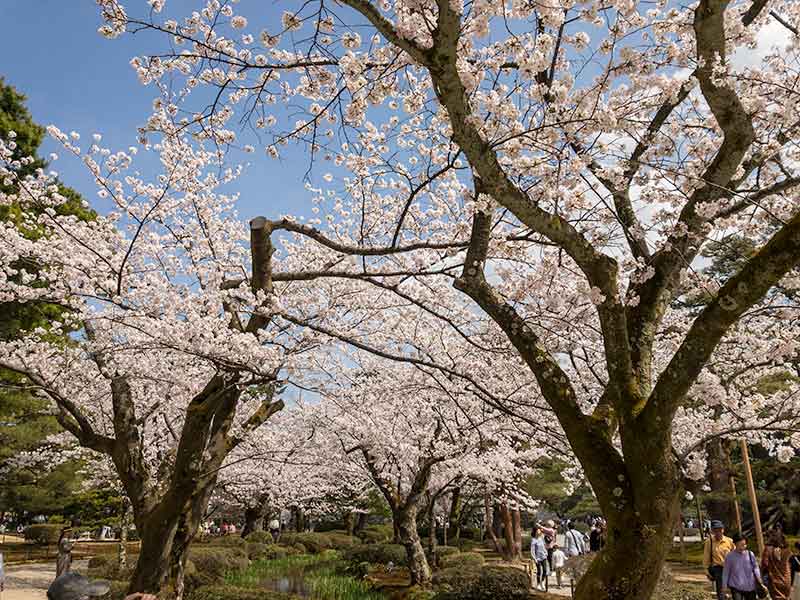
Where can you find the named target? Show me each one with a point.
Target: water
(292, 583)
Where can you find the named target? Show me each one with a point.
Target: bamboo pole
(751, 489)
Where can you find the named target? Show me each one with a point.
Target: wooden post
(751, 489)
(736, 506)
(700, 519)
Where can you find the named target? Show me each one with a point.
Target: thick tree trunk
(488, 524)
(516, 521)
(454, 516)
(406, 520)
(509, 552)
(361, 523)
(432, 529)
(641, 505)
(254, 516)
(349, 523)
(157, 533)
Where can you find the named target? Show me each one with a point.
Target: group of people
(734, 569)
(549, 557)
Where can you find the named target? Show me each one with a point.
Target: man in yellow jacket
(717, 547)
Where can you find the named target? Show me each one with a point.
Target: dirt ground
(30, 581)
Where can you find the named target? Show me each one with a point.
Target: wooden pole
(700, 519)
(751, 490)
(737, 509)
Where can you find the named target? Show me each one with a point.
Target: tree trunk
(122, 550)
(361, 523)
(454, 516)
(432, 529)
(254, 517)
(641, 505)
(406, 520)
(349, 523)
(488, 523)
(516, 520)
(157, 536)
(508, 533)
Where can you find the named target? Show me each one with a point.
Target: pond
(317, 577)
(291, 583)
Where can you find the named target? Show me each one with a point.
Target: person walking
(559, 562)
(741, 574)
(775, 566)
(717, 547)
(65, 545)
(539, 557)
(573, 541)
(550, 535)
(794, 569)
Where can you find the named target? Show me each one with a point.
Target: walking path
(30, 581)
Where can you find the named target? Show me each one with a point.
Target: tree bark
(254, 516)
(641, 507)
(454, 516)
(432, 529)
(406, 520)
(361, 522)
(516, 520)
(509, 546)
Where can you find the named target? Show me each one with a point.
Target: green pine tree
(25, 420)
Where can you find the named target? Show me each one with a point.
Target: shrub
(381, 554)
(227, 541)
(106, 566)
(340, 539)
(503, 582)
(455, 583)
(298, 548)
(117, 591)
(316, 542)
(255, 550)
(262, 537)
(486, 583)
(377, 534)
(226, 592)
(668, 589)
(46, 533)
(442, 551)
(469, 545)
(212, 563)
(467, 560)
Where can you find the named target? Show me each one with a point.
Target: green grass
(320, 572)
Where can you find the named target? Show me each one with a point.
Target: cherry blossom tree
(585, 152)
(168, 371)
(414, 440)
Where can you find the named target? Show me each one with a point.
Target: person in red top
(550, 532)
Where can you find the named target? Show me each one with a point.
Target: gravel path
(30, 581)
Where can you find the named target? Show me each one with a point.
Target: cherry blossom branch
(763, 271)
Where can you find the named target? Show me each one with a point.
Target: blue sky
(77, 80)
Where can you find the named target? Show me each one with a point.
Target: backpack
(548, 539)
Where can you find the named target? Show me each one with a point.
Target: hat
(74, 586)
(717, 525)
